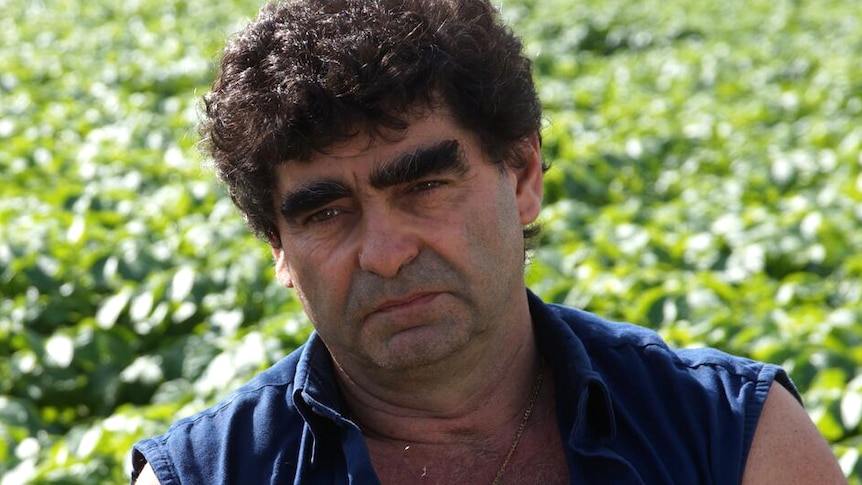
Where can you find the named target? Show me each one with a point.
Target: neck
(475, 395)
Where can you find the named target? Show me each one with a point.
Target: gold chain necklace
(539, 379)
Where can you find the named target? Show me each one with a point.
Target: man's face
(406, 250)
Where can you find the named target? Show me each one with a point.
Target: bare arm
(787, 447)
(147, 477)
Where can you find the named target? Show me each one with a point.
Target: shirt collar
(316, 394)
(584, 406)
(315, 379)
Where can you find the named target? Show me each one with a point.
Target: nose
(388, 243)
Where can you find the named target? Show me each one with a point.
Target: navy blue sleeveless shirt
(630, 410)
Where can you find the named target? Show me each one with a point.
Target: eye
(323, 216)
(427, 185)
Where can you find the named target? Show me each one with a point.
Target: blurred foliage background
(706, 182)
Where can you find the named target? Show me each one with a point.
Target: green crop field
(706, 182)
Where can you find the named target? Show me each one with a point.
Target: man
(388, 151)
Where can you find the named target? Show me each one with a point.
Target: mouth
(409, 302)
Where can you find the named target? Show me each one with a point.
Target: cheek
(507, 211)
(304, 291)
(319, 282)
(490, 230)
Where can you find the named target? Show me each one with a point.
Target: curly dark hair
(309, 73)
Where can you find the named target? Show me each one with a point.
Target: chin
(418, 348)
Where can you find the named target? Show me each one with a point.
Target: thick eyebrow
(310, 197)
(442, 158)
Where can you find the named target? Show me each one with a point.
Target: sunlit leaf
(111, 309)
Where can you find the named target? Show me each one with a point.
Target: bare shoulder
(147, 477)
(787, 447)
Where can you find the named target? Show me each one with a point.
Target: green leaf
(111, 309)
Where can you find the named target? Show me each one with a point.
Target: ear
(282, 269)
(528, 180)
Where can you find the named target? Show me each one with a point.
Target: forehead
(357, 156)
